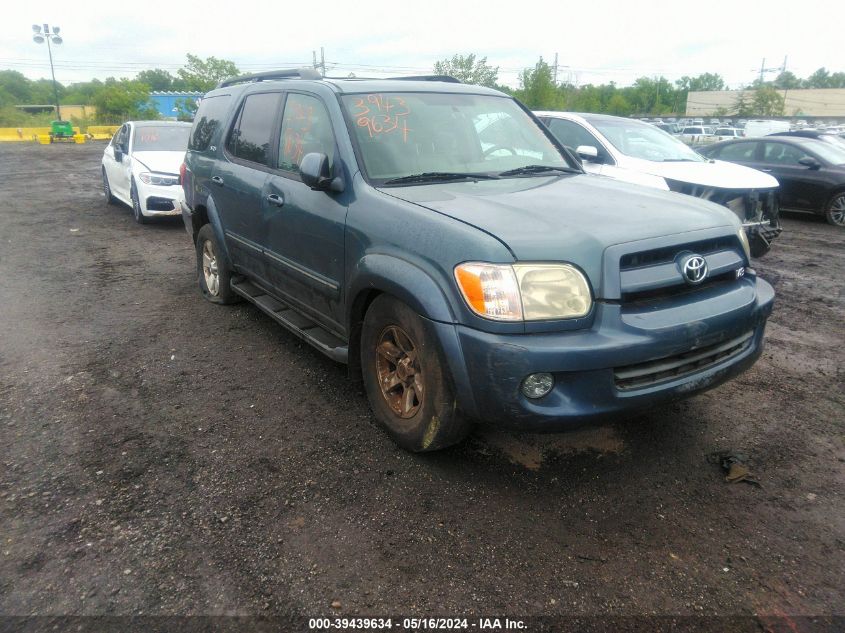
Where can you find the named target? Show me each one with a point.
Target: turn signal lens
(490, 290)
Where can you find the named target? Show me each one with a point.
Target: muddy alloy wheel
(835, 212)
(210, 269)
(407, 379)
(399, 372)
(213, 273)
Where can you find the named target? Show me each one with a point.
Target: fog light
(537, 385)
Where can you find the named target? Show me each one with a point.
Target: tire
(834, 210)
(214, 277)
(418, 411)
(140, 218)
(110, 199)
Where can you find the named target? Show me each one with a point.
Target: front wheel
(214, 276)
(834, 212)
(110, 199)
(139, 216)
(406, 380)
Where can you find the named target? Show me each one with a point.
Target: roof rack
(300, 73)
(446, 78)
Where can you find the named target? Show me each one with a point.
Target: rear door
(303, 230)
(237, 182)
(116, 170)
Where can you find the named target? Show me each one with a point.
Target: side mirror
(809, 161)
(118, 154)
(314, 171)
(587, 152)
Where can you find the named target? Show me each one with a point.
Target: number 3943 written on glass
(382, 114)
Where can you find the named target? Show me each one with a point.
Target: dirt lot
(162, 455)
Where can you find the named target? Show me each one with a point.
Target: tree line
(119, 99)
(646, 96)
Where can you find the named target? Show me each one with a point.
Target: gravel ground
(165, 456)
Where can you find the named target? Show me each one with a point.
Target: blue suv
(437, 238)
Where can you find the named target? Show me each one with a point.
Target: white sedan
(639, 153)
(141, 167)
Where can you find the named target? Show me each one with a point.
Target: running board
(305, 328)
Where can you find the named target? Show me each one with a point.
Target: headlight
(163, 180)
(529, 292)
(743, 239)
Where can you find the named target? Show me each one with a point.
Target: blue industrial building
(165, 102)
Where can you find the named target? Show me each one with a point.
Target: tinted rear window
(209, 118)
(252, 137)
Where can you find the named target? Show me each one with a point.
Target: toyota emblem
(694, 269)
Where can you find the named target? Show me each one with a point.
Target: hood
(164, 162)
(709, 174)
(568, 218)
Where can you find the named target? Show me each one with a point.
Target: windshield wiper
(433, 176)
(537, 169)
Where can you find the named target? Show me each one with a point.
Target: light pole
(40, 36)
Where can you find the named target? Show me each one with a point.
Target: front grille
(668, 254)
(654, 372)
(666, 292)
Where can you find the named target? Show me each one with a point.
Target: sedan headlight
(524, 292)
(163, 180)
(743, 239)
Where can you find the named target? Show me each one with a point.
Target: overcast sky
(597, 42)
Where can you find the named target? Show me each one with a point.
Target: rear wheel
(214, 276)
(140, 218)
(834, 212)
(110, 199)
(406, 381)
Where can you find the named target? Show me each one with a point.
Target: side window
(208, 119)
(252, 137)
(738, 151)
(782, 154)
(121, 139)
(306, 128)
(115, 140)
(573, 135)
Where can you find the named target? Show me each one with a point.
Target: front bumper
(587, 364)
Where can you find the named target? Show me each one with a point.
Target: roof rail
(300, 73)
(446, 78)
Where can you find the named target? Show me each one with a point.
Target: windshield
(406, 134)
(829, 152)
(161, 138)
(640, 140)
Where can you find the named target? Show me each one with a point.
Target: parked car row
(443, 242)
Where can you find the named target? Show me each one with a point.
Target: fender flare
(402, 279)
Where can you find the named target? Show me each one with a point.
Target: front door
(303, 229)
(800, 186)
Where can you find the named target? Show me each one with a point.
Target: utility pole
(323, 61)
(314, 56)
(762, 70)
(785, 88)
(555, 68)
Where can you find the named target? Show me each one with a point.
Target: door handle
(217, 180)
(276, 199)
